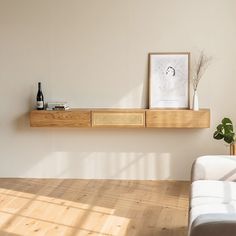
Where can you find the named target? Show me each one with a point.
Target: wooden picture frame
(169, 80)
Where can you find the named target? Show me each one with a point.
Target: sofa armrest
(214, 168)
(214, 224)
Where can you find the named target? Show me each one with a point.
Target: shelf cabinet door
(127, 119)
(71, 118)
(178, 118)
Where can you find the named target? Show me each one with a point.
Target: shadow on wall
(89, 153)
(21, 123)
(115, 165)
(138, 93)
(99, 165)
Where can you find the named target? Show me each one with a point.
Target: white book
(57, 109)
(56, 104)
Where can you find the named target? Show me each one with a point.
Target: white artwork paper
(169, 80)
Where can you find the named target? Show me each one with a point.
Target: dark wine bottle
(40, 100)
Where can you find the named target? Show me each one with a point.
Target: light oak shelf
(178, 118)
(77, 118)
(125, 118)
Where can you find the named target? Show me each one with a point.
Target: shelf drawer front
(118, 119)
(60, 118)
(178, 118)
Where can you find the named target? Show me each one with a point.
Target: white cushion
(214, 168)
(212, 197)
(212, 192)
(217, 209)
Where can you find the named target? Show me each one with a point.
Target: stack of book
(61, 106)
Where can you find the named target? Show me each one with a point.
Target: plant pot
(233, 149)
(195, 101)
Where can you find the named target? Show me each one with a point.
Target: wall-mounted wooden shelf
(178, 118)
(70, 118)
(126, 118)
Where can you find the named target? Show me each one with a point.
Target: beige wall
(93, 53)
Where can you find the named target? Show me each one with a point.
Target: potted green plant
(225, 131)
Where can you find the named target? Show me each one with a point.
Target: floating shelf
(125, 118)
(178, 118)
(77, 118)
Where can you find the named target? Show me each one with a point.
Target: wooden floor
(93, 207)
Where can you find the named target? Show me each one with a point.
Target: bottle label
(39, 104)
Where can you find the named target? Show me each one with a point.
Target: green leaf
(229, 139)
(226, 121)
(217, 135)
(219, 127)
(228, 129)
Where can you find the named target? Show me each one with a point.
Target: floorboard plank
(72, 207)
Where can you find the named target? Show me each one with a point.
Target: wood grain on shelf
(56, 207)
(126, 118)
(69, 118)
(118, 118)
(178, 118)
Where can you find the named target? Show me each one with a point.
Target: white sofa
(212, 210)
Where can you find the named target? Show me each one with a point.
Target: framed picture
(169, 80)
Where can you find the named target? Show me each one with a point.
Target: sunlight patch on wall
(104, 165)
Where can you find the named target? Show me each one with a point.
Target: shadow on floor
(4, 233)
(146, 207)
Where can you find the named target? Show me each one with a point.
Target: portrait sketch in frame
(169, 80)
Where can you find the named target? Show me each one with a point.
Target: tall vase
(233, 149)
(195, 101)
